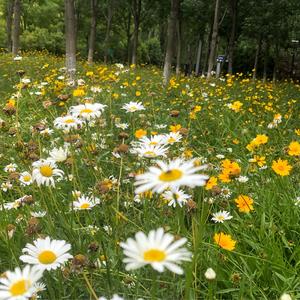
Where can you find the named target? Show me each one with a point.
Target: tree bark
(128, 37)
(70, 31)
(266, 56)
(173, 19)
(256, 58)
(231, 45)
(178, 56)
(136, 11)
(9, 19)
(92, 37)
(199, 52)
(16, 27)
(214, 37)
(108, 29)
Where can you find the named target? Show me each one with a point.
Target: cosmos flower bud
(210, 274)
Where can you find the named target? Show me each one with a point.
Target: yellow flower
(175, 128)
(297, 131)
(115, 96)
(213, 181)
(78, 92)
(294, 149)
(138, 93)
(260, 160)
(281, 167)
(140, 133)
(225, 241)
(236, 106)
(261, 139)
(244, 203)
(90, 74)
(224, 177)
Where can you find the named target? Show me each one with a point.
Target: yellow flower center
(47, 257)
(69, 121)
(170, 175)
(154, 255)
(26, 178)
(84, 205)
(46, 171)
(153, 143)
(150, 154)
(19, 287)
(171, 140)
(86, 111)
(220, 218)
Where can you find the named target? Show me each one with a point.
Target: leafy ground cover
(72, 170)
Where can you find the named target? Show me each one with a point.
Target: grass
(265, 262)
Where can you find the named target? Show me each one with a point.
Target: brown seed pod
(174, 113)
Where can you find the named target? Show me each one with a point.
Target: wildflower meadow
(115, 187)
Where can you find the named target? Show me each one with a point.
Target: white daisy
(153, 140)
(59, 154)
(176, 196)
(85, 203)
(156, 249)
(38, 214)
(133, 106)
(221, 216)
(25, 178)
(170, 175)
(46, 132)
(87, 111)
(173, 137)
(46, 254)
(115, 297)
(150, 151)
(10, 168)
(122, 125)
(44, 172)
(67, 123)
(20, 284)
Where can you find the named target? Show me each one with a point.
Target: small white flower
(85, 203)
(210, 274)
(221, 216)
(59, 154)
(242, 179)
(133, 106)
(176, 196)
(10, 168)
(38, 214)
(285, 296)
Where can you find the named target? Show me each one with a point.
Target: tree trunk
(231, 45)
(136, 9)
(178, 56)
(266, 56)
(275, 68)
(9, 19)
(209, 34)
(199, 52)
(214, 37)
(256, 59)
(128, 37)
(70, 32)
(173, 19)
(16, 27)
(92, 38)
(108, 29)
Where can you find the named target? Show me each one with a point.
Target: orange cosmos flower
(224, 241)
(244, 203)
(281, 167)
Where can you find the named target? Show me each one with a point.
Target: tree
(136, 12)
(214, 37)
(231, 45)
(70, 31)
(173, 19)
(16, 27)
(92, 37)
(9, 19)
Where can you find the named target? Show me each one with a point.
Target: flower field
(114, 187)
